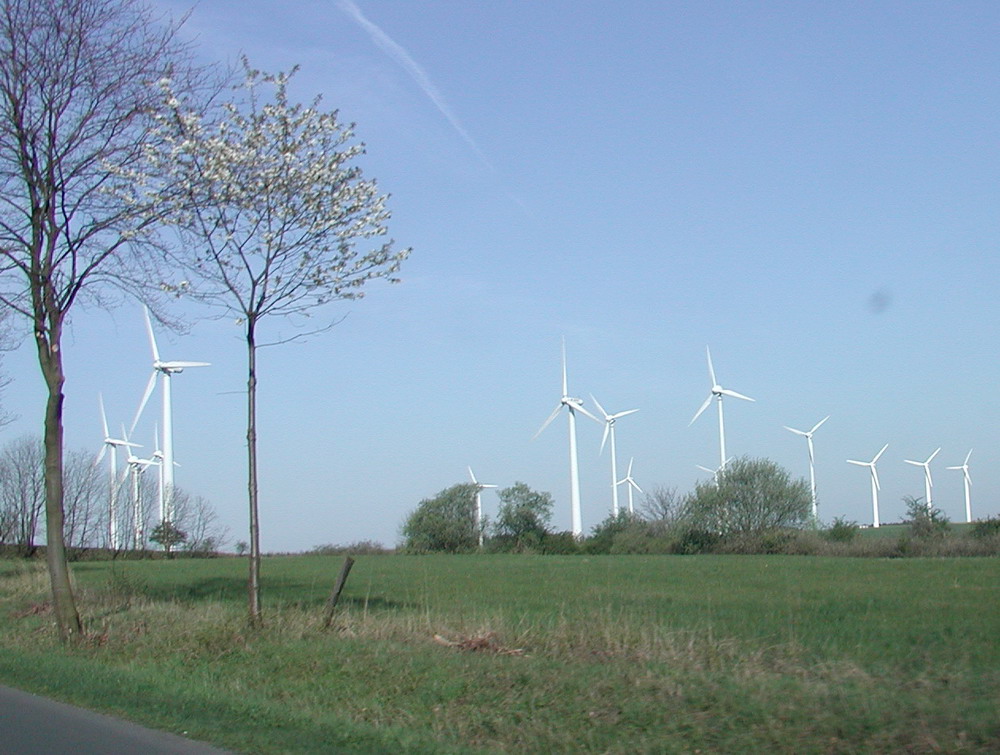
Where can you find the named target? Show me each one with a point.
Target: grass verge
(598, 654)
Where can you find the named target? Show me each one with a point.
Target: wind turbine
(136, 467)
(808, 435)
(572, 406)
(632, 484)
(717, 392)
(609, 429)
(114, 444)
(165, 370)
(928, 482)
(875, 485)
(479, 504)
(968, 482)
(714, 472)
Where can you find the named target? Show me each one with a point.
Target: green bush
(751, 496)
(693, 541)
(926, 522)
(522, 519)
(986, 528)
(560, 544)
(446, 522)
(841, 531)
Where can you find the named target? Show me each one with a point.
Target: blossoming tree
(268, 194)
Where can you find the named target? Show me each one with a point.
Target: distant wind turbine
(113, 444)
(968, 483)
(875, 485)
(479, 504)
(928, 482)
(714, 472)
(808, 435)
(632, 484)
(165, 370)
(136, 467)
(609, 430)
(572, 406)
(717, 392)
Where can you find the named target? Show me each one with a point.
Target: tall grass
(532, 653)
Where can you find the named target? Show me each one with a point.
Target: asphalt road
(33, 725)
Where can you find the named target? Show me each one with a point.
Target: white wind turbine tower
(968, 482)
(572, 406)
(928, 482)
(717, 392)
(875, 485)
(165, 370)
(609, 429)
(479, 504)
(113, 444)
(632, 484)
(136, 467)
(808, 435)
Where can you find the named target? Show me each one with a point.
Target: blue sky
(811, 189)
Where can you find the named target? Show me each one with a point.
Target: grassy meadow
(531, 653)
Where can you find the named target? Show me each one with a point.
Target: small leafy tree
(751, 496)
(841, 531)
(267, 197)
(524, 516)
(926, 522)
(168, 535)
(446, 522)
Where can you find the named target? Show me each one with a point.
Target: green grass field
(552, 654)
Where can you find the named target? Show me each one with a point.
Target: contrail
(418, 74)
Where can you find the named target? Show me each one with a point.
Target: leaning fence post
(331, 602)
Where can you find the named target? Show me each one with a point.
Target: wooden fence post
(331, 602)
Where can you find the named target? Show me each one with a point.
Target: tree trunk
(63, 602)
(253, 584)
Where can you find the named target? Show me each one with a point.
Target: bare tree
(199, 520)
(75, 101)
(83, 500)
(662, 506)
(22, 489)
(273, 206)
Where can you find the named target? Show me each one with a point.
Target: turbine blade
(711, 368)
(104, 417)
(474, 480)
(734, 394)
(914, 463)
(702, 409)
(931, 457)
(859, 463)
(634, 484)
(565, 383)
(705, 469)
(152, 338)
(968, 455)
(875, 477)
(604, 438)
(579, 406)
(183, 365)
(145, 397)
(547, 422)
(599, 407)
(624, 414)
(797, 432)
(819, 424)
(880, 453)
